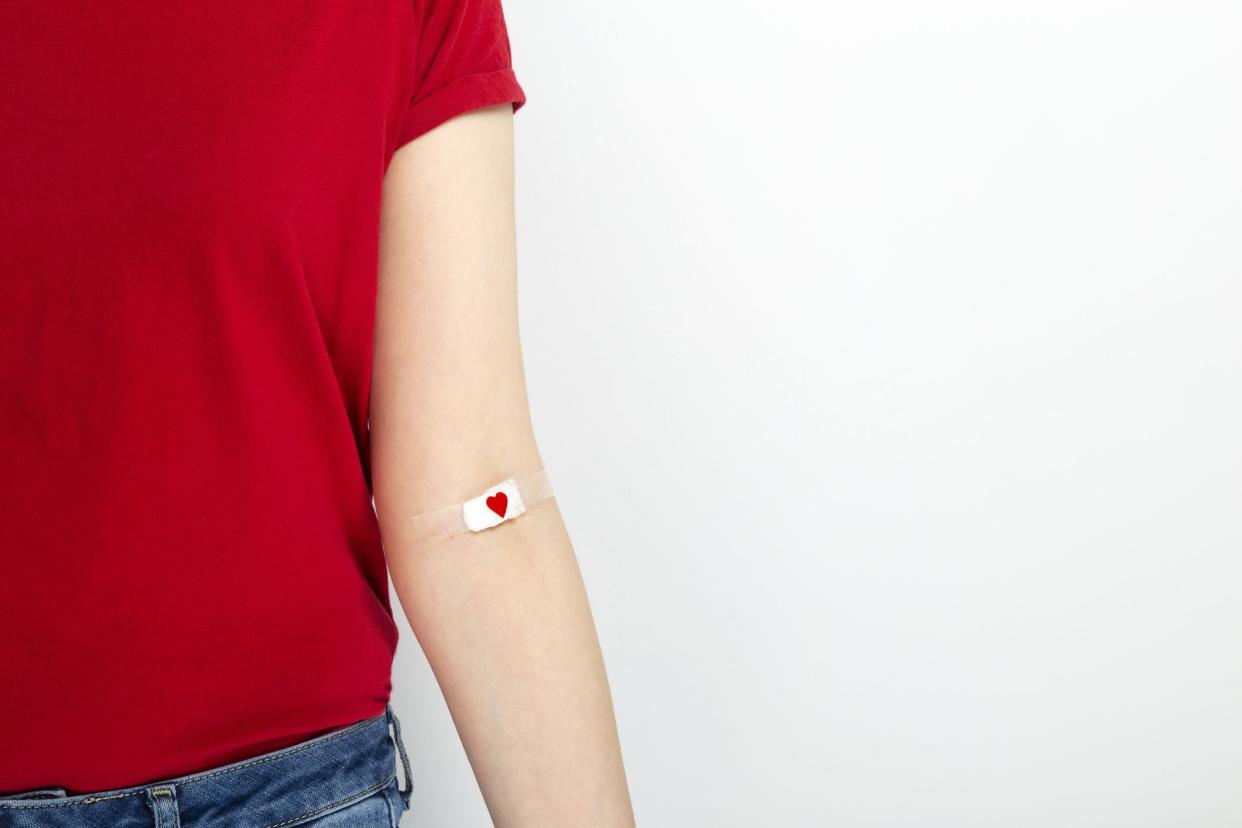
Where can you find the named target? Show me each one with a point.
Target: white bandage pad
(497, 504)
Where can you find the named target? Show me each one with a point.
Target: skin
(502, 614)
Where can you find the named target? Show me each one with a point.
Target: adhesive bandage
(497, 504)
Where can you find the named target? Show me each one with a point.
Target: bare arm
(501, 614)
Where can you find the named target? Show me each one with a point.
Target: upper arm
(449, 410)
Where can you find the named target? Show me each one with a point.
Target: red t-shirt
(191, 570)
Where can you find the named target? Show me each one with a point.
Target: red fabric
(191, 571)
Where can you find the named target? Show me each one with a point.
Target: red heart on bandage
(498, 503)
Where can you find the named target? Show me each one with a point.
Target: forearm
(504, 620)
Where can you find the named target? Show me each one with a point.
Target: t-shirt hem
(462, 95)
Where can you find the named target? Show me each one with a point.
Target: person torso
(191, 570)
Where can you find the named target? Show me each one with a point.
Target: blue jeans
(343, 779)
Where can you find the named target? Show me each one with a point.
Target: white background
(885, 359)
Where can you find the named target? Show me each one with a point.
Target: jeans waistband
(290, 785)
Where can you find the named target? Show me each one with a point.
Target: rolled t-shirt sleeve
(462, 62)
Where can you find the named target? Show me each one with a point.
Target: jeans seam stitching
(357, 795)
